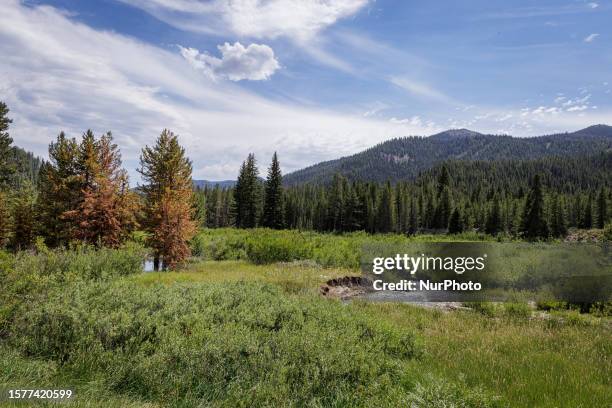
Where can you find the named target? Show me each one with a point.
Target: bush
(83, 262)
(28, 276)
(518, 310)
(225, 344)
(262, 248)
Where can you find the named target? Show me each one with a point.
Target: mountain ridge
(404, 158)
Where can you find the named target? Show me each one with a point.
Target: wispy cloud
(296, 19)
(593, 5)
(422, 90)
(591, 37)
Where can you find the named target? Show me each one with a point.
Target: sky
(311, 79)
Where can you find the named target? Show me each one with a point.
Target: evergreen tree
(24, 217)
(533, 224)
(60, 190)
(7, 167)
(587, 215)
(106, 209)
(168, 194)
(335, 210)
(455, 223)
(247, 195)
(273, 197)
(199, 208)
(352, 211)
(412, 218)
(602, 208)
(558, 227)
(443, 208)
(385, 210)
(494, 222)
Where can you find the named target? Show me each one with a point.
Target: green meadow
(243, 324)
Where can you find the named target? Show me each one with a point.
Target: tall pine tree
(494, 221)
(60, 187)
(168, 194)
(273, 197)
(106, 211)
(533, 224)
(247, 195)
(558, 227)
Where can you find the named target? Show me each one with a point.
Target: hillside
(404, 158)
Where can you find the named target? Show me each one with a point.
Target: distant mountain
(404, 158)
(210, 184)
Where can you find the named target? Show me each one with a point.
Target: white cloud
(297, 19)
(591, 37)
(593, 5)
(255, 62)
(56, 74)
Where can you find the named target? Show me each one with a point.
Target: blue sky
(312, 79)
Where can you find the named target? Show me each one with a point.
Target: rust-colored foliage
(168, 195)
(106, 210)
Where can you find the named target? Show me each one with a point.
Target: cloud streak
(296, 19)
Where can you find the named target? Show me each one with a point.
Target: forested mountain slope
(26, 166)
(404, 158)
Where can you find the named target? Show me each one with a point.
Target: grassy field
(525, 361)
(235, 333)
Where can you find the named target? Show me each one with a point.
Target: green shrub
(265, 248)
(225, 344)
(518, 310)
(30, 276)
(83, 262)
(490, 309)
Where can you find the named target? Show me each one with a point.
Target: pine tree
(247, 194)
(24, 217)
(352, 211)
(602, 208)
(7, 167)
(455, 223)
(385, 210)
(106, 211)
(533, 224)
(335, 210)
(413, 225)
(273, 197)
(443, 208)
(60, 189)
(587, 215)
(199, 208)
(558, 227)
(168, 194)
(494, 223)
